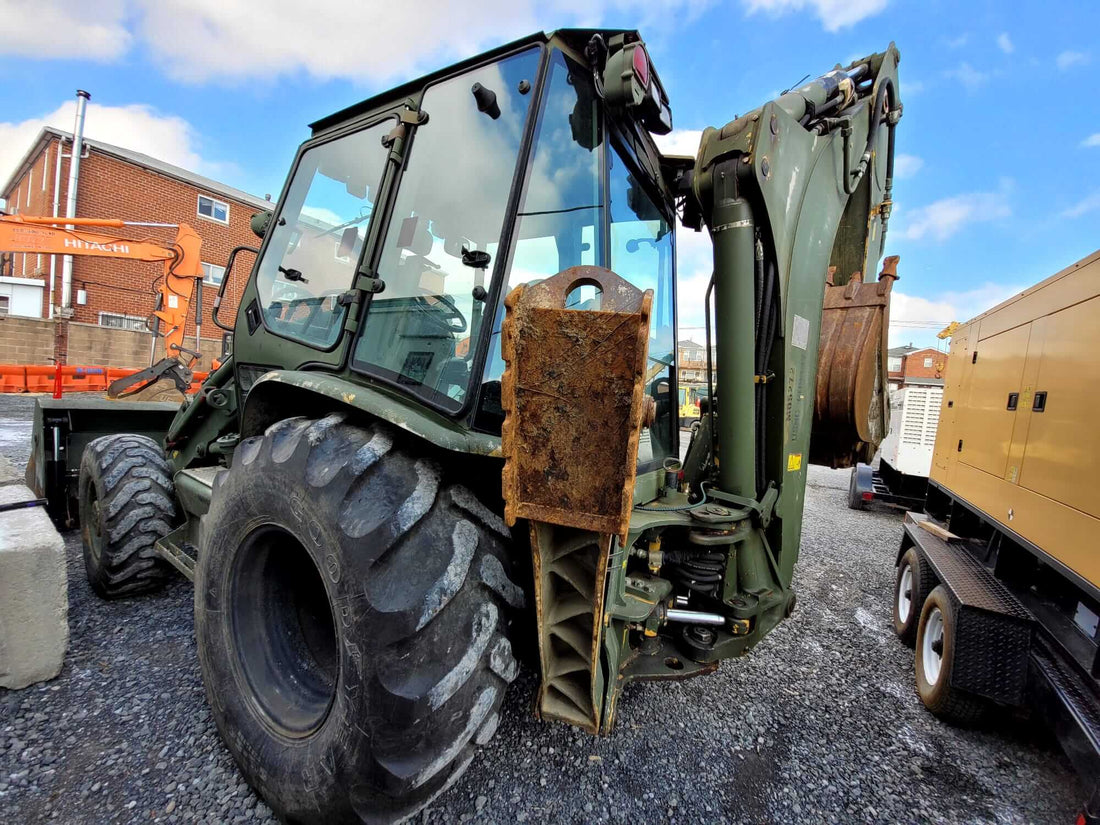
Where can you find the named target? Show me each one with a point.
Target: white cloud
(694, 262)
(905, 166)
(968, 76)
(1069, 59)
(368, 42)
(1091, 140)
(918, 319)
(91, 29)
(1005, 44)
(1087, 204)
(138, 127)
(833, 14)
(957, 42)
(679, 142)
(941, 219)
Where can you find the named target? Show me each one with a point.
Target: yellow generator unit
(998, 582)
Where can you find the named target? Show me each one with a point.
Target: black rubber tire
(127, 502)
(941, 697)
(855, 501)
(923, 580)
(413, 659)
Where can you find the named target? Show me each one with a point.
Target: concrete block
(8, 473)
(34, 593)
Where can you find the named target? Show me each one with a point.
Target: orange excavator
(182, 270)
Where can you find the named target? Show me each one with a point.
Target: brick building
(119, 183)
(909, 365)
(692, 362)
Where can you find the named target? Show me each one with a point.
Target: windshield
(315, 243)
(439, 250)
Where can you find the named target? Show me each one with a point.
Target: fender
(283, 393)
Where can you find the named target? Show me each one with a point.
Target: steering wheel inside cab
(439, 309)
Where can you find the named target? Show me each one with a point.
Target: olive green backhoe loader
(448, 435)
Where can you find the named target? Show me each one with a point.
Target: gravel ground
(820, 723)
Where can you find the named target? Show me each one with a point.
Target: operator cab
(408, 218)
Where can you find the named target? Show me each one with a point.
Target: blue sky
(999, 179)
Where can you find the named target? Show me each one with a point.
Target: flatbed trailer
(998, 581)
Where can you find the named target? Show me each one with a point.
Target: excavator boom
(182, 259)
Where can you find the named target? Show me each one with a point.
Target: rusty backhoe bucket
(851, 410)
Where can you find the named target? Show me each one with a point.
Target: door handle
(1013, 400)
(1040, 402)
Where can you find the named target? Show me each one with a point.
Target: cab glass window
(438, 253)
(315, 242)
(641, 252)
(560, 220)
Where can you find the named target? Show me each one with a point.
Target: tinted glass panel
(450, 205)
(641, 252)
(316, 241)
(561, 214)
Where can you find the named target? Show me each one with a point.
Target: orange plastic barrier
(13, 378)
(39, 378)
(83, 379)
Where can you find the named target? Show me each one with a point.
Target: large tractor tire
(352, 611)
(126, 502)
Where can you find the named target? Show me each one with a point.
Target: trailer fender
(285, 393)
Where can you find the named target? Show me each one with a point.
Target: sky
(998, 169)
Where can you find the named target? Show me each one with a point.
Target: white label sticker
(801, 332)
(173, 301)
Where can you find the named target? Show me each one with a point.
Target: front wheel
(913, 582)
(127, 502)
(351, 613)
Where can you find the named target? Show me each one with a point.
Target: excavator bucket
(851, 410)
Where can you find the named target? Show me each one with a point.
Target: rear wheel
(126, 502)
(352, 612)
(935, 662)
(912, 584)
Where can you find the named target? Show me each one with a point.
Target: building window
(928, 363)
(895, 364)
(45, 166)
(5, 305)
(214, 210)
(30, 186)
(212, 274)
(117, 321)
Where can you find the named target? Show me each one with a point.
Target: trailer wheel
(855, 500)
(935, 659)
(126, 502)
(912, 584)
(352, 612)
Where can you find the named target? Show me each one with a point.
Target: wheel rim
(93, 529)
(905, 593)
(283, 631)
(932, 646)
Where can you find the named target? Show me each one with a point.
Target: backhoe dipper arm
(182, 259)
(796, 195)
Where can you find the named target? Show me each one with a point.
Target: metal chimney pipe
(82, 98)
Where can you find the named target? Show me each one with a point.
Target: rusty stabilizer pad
(851, 411)
(572, 393)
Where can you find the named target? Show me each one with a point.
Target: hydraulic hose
(852, 179)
